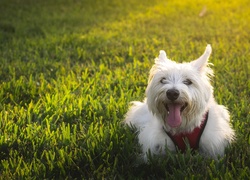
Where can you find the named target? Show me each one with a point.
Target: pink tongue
(173, 119)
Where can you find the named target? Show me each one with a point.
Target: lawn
(69, 68)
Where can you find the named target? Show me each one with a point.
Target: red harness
(183, 139)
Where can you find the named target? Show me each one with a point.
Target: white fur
(149, 117)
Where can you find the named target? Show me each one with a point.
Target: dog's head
(179, 92)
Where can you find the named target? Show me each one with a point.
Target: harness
(192, 139)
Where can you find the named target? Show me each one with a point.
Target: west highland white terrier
(179, 110)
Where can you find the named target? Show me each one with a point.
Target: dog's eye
(187, 82)
(163, 81)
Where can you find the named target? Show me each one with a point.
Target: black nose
(173, 94)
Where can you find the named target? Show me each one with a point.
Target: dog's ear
(162, 57)
(202, 61)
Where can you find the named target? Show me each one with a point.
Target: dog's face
(179, 92)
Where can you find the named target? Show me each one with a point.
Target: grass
(68, 70)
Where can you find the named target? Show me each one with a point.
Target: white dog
(180, 111)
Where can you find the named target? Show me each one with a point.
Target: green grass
(68, 70)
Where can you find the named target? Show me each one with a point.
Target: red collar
(192, 138)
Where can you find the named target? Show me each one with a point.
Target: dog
(179, 111)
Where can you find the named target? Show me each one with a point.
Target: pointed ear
(202, 61)
(162, 57)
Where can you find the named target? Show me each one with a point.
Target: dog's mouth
(174, 110)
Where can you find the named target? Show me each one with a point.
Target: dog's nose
(173, 94)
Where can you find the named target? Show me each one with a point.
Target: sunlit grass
(68, 71)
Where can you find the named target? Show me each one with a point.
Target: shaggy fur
(177, 97)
